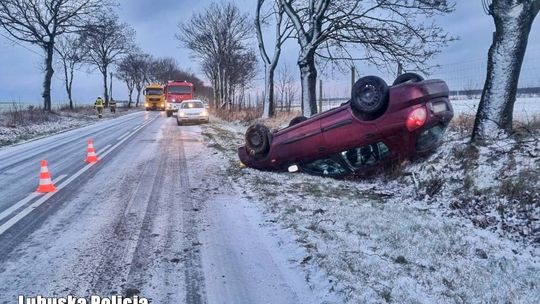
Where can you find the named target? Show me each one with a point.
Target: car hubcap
(255, 140)
(369, 96)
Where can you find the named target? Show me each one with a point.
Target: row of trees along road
(42, 23)
(88, 33)
(137, 69)
(220, 38)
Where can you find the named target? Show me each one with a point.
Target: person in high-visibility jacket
(112, 104)
(99, 104)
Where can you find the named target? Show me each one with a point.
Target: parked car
(378, 126)
(192, 111)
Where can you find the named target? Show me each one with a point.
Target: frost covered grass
(460, 226)
(21, 122)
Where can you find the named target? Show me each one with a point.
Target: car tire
(178, 122)
(169, 113)
(408, 77)
(297, 120)
(147, 109)
(257, 140)
(369, 95)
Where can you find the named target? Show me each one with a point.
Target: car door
(300, 141)
(342, 131)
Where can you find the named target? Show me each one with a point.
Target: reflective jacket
(99, 103)
(112, 103)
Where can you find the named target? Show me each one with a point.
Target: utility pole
(320, 95)
(399, 69)
(110, 86)
(353, 76)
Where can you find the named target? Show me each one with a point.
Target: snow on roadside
(408, 239)
(47, 124)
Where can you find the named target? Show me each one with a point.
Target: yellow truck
(154, 99)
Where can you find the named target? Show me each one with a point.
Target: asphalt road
(155, 217)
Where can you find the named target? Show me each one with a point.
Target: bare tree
(282, 33)
(71, 56)
(41, 22)
(386, 32)
(105, 43)
(216, 37)
(126, 71)
(143, 62)
(286, 87)
(513, 20)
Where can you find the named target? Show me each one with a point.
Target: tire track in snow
(194, 276)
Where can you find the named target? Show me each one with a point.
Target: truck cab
(175, 93)
(154, 98)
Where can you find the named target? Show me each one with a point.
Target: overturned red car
(378, 126)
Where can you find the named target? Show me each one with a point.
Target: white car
(192, 111)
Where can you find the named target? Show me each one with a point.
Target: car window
(192, 105)
(430, 138)
(325, 167)
(367, 155)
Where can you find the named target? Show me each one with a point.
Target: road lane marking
(105, 149)
(12, 221)
(27, 199)
(121, 137)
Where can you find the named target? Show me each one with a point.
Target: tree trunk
(69, 88)
(49, 71)
(268, 102)
(308, 79)
(105, 88)
(138, 97)
(67, 81)
(512, 26)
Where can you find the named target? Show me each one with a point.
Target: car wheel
(257, 140)
(297, 120)
(408, 77)
(178, 122)
(169, 114)
(369, 95)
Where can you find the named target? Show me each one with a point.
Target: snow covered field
(26, 124)
(525, 109)
(461, 227)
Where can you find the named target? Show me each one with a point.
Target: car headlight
(182, 114)
(146, 104)
(204, 113)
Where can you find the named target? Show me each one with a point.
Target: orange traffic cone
(45, 182)
(91, 156)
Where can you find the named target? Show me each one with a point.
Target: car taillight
(416, 119)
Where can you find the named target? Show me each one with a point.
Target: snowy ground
(525, 109)
(24, 124)
(460, 227)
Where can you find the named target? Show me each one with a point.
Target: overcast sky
(156, 24)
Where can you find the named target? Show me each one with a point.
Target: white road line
(121, 137)
(104, 149)
(12, 221)
(25, 200)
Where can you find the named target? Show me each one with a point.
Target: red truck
(175, 93)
